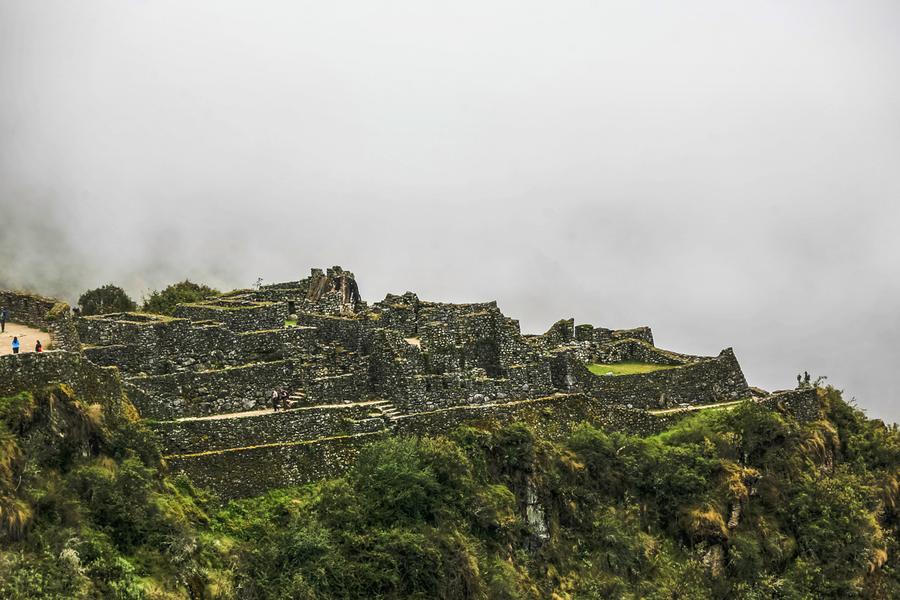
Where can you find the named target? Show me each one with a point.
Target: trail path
(266, 411)
(666, 411)
(27, 337)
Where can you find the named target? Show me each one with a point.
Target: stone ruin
(202, 379)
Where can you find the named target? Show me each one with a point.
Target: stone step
(387, 409)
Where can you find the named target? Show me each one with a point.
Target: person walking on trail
(284, 396)
(4, 315)
(38, 347)
(15, 345)
(276, 399)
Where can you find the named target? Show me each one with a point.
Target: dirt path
(27, 337)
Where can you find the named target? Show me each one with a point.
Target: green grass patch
(290, 323)
(625, 368)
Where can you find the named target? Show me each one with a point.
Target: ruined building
(202, 379)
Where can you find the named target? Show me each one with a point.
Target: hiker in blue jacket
(15, 345)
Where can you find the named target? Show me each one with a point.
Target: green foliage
(164, 302)
(85, 511)
(746, 503)
(106, 299)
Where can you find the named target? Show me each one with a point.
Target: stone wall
(276, 344)
(802, 404)
(246, 471)
(393, 362)
(334, 292)
(708, 381)
(419, 393)
(600, 335)
(159, 345)
(330, 329)
(561, 332)
(245, 468)
(203, 435)
(49, 315)
(635, 350)
(199, 393)
(715, 380)
(240, 457)
(398, 313)
(237, 314)
(553, 416)
(34, 371)
(461, 337)
(343, 387)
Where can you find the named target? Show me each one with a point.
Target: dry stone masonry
(203, 378)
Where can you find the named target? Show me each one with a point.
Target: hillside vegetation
(744, 503)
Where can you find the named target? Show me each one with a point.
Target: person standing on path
(38, 347)
(15, 345)
(4, 315)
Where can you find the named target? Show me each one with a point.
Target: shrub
(106, 299)
(164, 302)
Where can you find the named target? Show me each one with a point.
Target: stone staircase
(387, 410)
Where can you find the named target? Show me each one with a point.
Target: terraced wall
(200, 435)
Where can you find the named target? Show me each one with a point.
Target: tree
(164, 302)
(107, 299)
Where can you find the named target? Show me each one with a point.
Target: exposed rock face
(355, 372)
(535, 515)
(714, 560)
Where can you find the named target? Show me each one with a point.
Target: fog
(727, 173)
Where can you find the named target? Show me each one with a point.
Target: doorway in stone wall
(487, 356)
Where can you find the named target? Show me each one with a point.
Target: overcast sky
(725, 172)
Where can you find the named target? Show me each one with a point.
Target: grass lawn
(625, 368)
(290, 323)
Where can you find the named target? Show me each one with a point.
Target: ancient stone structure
(202, 379)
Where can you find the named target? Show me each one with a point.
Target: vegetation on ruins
(104, 300)
(625, 368)
(164, 302)
(745, 503)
